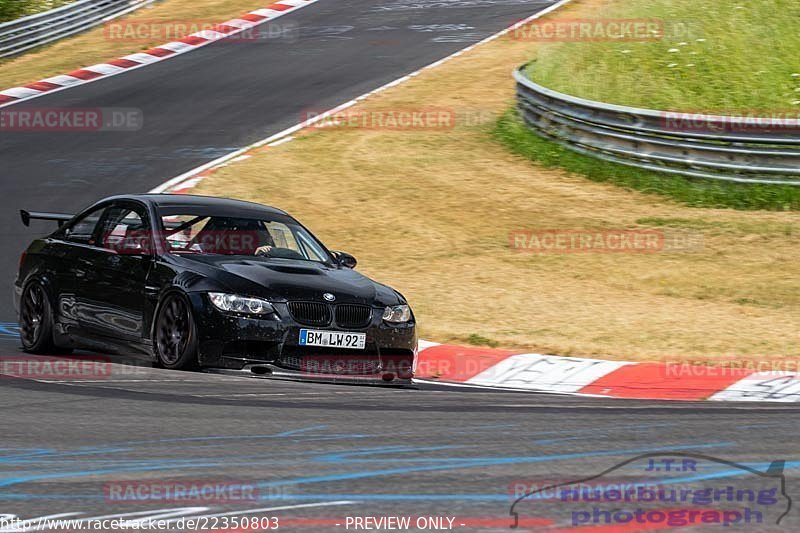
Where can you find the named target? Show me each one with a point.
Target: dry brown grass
(95, 46)
(429, 212)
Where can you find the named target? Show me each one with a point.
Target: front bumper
(271, 346)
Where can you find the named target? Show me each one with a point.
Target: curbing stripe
(763, 386)
(84, 74)
(176, 46)
(62, 80)
(159, 52)
(239, 23)
(254, 17)
(20, 92)
(121, 62)
(140, 58)
(193, 40)
(600, 378)
(42, 86)
(456, 363)
(664, 382)
(104, 68)
(546, 373)
(224, 28)
(210, 35)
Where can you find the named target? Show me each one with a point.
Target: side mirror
(346, 260)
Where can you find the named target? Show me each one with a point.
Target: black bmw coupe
(197, 281)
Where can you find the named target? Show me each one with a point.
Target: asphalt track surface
(339, 451)
(425, 452)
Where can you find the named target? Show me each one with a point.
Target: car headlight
(397, 314)
(240, 304)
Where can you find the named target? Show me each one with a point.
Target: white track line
(278, 138)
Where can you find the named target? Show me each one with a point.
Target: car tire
(36, 320)
(175, 334)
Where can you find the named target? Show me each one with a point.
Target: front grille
(311, 313)
(353, 316)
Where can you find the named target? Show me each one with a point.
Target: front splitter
(270, 371)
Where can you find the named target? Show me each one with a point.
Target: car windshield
(223, 235)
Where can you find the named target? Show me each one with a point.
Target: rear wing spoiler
(27, 216)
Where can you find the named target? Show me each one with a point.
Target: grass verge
(430, 211)
(512, 132)
(97, 45)
(715, 56)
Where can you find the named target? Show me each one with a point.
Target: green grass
(710, 226)
(736, 55)
(512, 132)
(479, 340)
(14, 9)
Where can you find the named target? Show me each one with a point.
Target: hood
(286, 279)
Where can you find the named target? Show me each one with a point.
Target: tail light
(22, 259)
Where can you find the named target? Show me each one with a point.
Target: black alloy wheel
(175, 335)
(35, 320)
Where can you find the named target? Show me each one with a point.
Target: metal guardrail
(19, 35)
(689, 144)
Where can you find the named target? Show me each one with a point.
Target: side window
(82, 230)
(126, 231)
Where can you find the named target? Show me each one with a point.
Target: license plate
(333, 339)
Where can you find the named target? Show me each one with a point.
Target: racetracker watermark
(401, 118)
(71, 120)
(56, 368)
(190, 492)
(197, 31)
(606, 30)
(582, 241)
(590, 30)
(436, 367)
(737, 368)
(342, 365)
(745, 121)
(126, 241)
